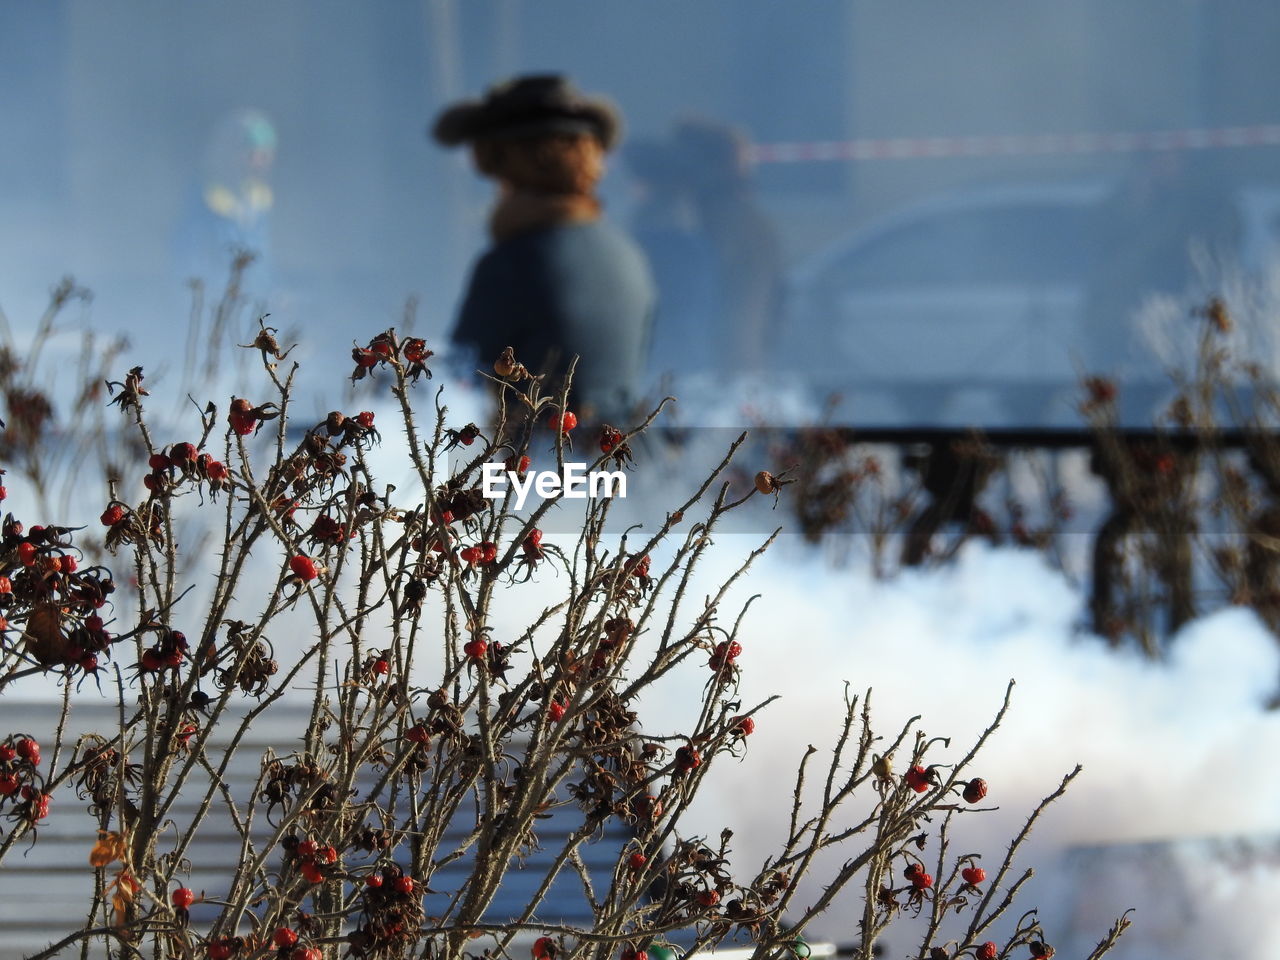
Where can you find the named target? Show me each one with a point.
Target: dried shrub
(438, 736)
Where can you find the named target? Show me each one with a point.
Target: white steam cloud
(1171, 752)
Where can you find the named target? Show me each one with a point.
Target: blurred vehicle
(973, 306)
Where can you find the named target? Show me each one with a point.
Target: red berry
(158, 461)
(27, 552)
(4, 491)
(183, 897)
(988, 951)
(182, 452)
(241, 416)
(975, 790)
(29, 750)
(415, 350)
(544, 948)
(311, 871)
(7, 753)
(40, 806)
(708, 898)
(306, 953)
(381, 667)
(475, 649)
(563, 423)
(307, 848)
(68, 563)
(917, 778)
(973, 875)
(112, 515)
(284, 938)
(912, 870)
(637, 860)
(9, 784)
(648, 807)
(6, 585)
(743, 726)
(726, 652)
(365, 419)
(404, 885)
(533, 538)
(631, 953)
(373, 880)
(418, 734)
(327, 854)
(555, 711)
(221, 950)
(922, 880)
(488, 551)
(152, 660)
(303, 567)
(216, 470)
(687, 759)
(469, 554)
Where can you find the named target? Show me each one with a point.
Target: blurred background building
(108, 111)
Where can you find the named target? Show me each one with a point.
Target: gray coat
(554, 292)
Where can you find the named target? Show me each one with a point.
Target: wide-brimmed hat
(529, 106)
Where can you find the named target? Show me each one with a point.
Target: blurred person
(229, 209)
(557, 281)
(683, 258)
(747, 250)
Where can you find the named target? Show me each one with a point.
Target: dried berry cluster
(390, 914)
(22, 786)
(51, 599)
(178, 465)
(409, 356)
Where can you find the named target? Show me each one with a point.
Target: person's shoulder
(489, 260)
(609, 232)
(589, 252)
(603, 239)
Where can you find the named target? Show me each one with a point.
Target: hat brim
(474, 120)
